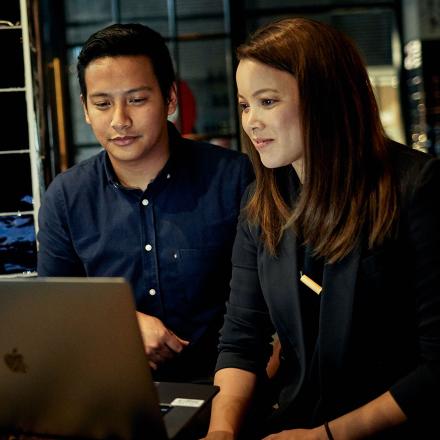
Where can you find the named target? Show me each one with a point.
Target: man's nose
(121, 118)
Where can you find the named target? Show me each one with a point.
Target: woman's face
(270, 116)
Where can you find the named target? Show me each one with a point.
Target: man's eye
(101, 105)
(137, 100)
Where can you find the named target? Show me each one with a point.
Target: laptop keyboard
(164, 408)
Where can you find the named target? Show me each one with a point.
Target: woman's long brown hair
(348, 184)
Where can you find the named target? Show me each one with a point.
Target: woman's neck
(298, 166)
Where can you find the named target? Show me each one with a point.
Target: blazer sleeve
(418, 393)
(247, 330)
(56, 253)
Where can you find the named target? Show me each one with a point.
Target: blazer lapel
(284, 301)
(339, 283)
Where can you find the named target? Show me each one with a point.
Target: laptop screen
(72, 360)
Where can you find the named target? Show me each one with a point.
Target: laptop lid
(72, 361)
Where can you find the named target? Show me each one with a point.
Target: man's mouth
(123, 140)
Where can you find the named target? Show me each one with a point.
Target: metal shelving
(19, 154)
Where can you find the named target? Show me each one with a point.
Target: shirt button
(168, 176)
(152, 292)
(145, 202)
(148, 247)
(175, 256)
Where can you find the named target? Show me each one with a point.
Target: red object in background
(187, 108)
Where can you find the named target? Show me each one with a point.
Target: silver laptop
(72, 364)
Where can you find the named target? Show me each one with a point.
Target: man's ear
(84, 106)
(172, 99)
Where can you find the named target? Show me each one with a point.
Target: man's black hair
(128, 39)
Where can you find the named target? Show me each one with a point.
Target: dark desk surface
(198, 420)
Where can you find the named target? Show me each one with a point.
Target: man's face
(126, 109)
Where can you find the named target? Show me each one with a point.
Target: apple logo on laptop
(15, 361)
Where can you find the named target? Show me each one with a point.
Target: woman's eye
(267, 102)
(243, 106)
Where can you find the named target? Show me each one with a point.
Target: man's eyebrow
(125, 92)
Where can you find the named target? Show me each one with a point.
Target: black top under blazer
(379, 324)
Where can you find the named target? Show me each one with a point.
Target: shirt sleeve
(56, 253)
(417, 394)
(247, 329)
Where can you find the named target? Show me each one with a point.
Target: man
(152, 207)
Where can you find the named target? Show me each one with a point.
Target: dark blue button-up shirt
(172, 242)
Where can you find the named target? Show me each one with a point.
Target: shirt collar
(109, 171)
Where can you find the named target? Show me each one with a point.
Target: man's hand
(160, 343)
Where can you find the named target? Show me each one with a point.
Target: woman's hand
(364, 422)
(299, 434)
(218, 435)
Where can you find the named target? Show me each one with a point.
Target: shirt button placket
(152, 289)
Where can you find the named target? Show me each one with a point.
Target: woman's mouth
(261, 142)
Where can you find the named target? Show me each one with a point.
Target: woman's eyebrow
(260, 91)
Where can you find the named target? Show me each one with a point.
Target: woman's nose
(254, 121)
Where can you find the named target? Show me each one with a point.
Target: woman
(339, 203)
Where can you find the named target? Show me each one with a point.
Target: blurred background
(42, 125)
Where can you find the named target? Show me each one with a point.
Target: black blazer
(379, 324)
